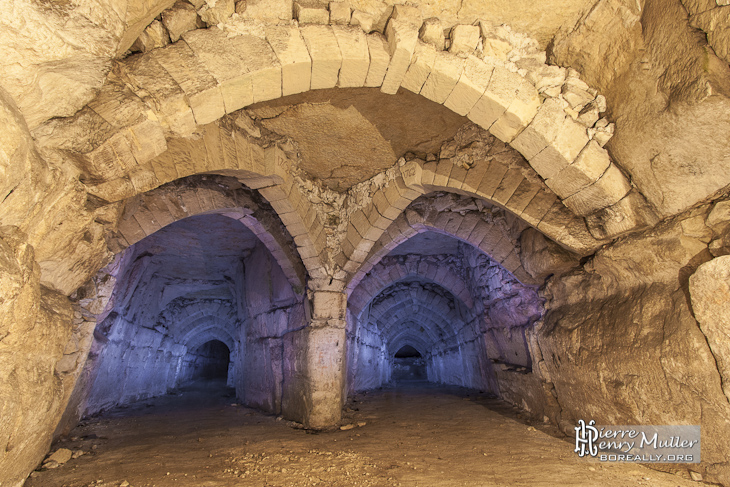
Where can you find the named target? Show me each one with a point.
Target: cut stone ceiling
(347, 136)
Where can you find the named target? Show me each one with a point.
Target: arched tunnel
(327, 243)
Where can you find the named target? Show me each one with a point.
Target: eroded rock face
(667, 88)
(38, 319)
(621, 346)
(710, 290)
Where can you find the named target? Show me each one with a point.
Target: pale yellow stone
(325, 54)
(217, 11)
(154, 36)
(432, 32)
(590, 165)
(402, 38)
(180, 18)
(148, 77)
(366, 21)
(307, 15)
(446, 72)
(542, 130)
(497, 97)
(464, 39)
(296, 65)
(340, 13)
(470, 87)
(608, 190)
(220, 56)
(355, 56)
(379, 60)
(519, 113)
(201, 88)
(421, 65)
(562, 151)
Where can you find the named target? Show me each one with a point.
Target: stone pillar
(326, 359)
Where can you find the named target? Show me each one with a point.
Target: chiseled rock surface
(667, 88)
(709, 287)
(621, 346)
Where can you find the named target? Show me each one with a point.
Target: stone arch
(200, 336)
(470, 228)
(407, 304)
(184, 322)
(506, 187)
(147, 213)
(396, 269)
(153, 101)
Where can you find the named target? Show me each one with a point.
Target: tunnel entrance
(210, 361)
(408, 365)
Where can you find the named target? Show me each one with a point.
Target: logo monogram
(585, 437)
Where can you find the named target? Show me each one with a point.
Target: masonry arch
(427, 317)
(152, 110)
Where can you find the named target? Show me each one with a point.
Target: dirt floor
(415, 435)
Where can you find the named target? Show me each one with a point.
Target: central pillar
(325, 366)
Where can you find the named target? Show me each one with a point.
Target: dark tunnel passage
(210, 361)
(408, 365)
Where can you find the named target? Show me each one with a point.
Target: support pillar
(325, 363)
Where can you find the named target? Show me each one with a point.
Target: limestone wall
(620, 344)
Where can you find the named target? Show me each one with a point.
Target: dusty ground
(412, 436)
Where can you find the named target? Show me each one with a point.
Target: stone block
(518, 114)
(146, 140)
(421, 66)
(154, 36)
(407, 13)
(179, 19)
(355, 56)
(366, 21)
(402, 38)
(325, 53)
(146, 75)
(507, 186)
(492, 179)
(607, 191)
(442, 173)
(498, 96)
(220, 56)
(474, 176)
(432, 32)
(218, 12)
(464, 39)
(340, 13)
(307, 15)
(384, 207)
(569, 230)
(267, 10)
(446, 72)
(117, 104)
(542, 130)
(562, 151)
(632, 213)
(201, 88)
(538, 207)
(292, 52)
(590, 165)
(522, 196)
(379, 60)
(471, 86)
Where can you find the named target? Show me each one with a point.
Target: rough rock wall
(137, 363)
(274, 311)
(36, 322)
(666, 89)
(620, 344)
